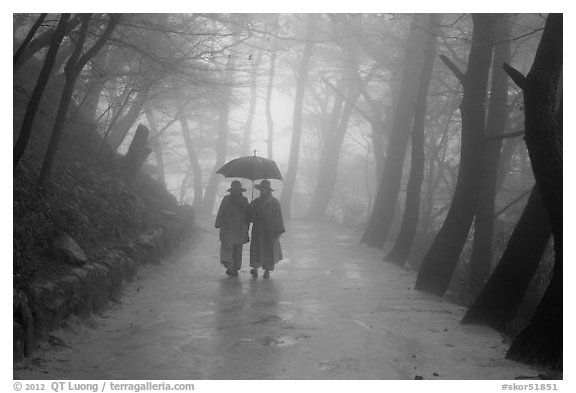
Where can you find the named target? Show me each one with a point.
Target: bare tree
(34, 103)
(28, 37)
(541, 341)
(385, 202)
(124, 122)
(221, 143)
(269, 89)
(401, 250)
(500, 298)
(42, 41)
(290, 178)
(194, 164)
(442, 257)
(481, 259)
(73, 68)
(253, 101)
(345, 104)
(155, 141)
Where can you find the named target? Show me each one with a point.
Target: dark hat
(236, 185)
(264, 185)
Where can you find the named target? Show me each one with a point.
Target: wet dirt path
(332, 310)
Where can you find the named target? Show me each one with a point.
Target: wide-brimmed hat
(236, 185)
(264, 185)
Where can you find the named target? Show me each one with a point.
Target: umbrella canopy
(252, 168)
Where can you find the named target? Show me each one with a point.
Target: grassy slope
(89, 199)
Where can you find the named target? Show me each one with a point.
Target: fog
(428, 136)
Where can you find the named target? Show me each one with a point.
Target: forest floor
(331, 310)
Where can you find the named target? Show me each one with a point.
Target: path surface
(331, 310)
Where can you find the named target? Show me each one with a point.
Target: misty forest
(420, 185)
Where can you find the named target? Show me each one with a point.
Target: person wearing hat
(267, 226)
(233, 221)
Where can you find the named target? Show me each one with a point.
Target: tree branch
(455, 70)
(28, 38)
(338, 92)
(515, 75)
(71, 69)
(114, 18)
(512, 203)
(504, 136)
(40, 42)
(370, 101)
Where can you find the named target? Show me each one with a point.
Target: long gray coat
(268, 225)
(233, 220)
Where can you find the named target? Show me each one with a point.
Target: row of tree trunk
(478, 180)
(472, 204)
(380, 221)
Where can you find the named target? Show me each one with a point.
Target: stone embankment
(43, 306)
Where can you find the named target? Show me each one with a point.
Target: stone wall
(43, 306)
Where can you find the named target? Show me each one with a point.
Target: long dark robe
(233, 219)
(267, 226)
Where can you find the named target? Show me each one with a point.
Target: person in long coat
(233, 221)
(267, 226)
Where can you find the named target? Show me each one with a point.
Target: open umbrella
(252, 168)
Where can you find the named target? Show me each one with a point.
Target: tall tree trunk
(123, 124)
(428, 207)
(481, 259)
(442, 257)
(377, 136)
(401, 249)
(115, 111)
(507, 152)
(501, 296)
(269, 90)
(222, 141)
(42, 41)
(328, 168)
(290, 179)
(433, 178)
(137, 152)
(319, 200)
(89, 106)
(252, 109)
(194, 164)
(212, 187)
(541, 341)
(156, 143)
(378, 128)
(38, 92)
(385, 202)
(28, 38)
(73, 68)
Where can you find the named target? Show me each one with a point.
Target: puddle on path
(282, 341)
(275, 341)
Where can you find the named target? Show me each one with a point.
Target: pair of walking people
(233, 219)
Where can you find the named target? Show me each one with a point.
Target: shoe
(266, 274)
(254, 273)
(229, 272)
(235, 273)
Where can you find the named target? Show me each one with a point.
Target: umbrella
(252, 168)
